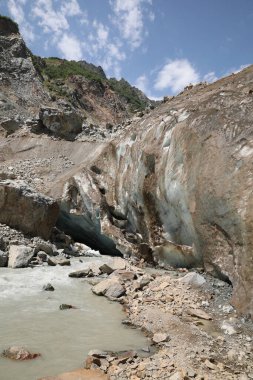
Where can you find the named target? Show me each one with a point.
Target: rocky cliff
(172, 185)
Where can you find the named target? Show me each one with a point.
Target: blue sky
(158, 45)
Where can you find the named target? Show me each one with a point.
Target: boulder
(20, 256)
(110, 288)
(82, 273)
(63, 123)
(19, 353)
(53, 261)
(193, 279)
(23, 208)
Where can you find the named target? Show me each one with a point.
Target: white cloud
(51, 20)
(71, 8)
(210, 77)
(128, 16)
(142, 83)
(70, 47)
(17, 12)
(175, 75)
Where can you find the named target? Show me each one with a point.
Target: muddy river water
(30, 317)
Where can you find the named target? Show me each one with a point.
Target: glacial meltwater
(30, 317)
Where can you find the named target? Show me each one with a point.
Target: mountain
(171, 185)
(78, 87)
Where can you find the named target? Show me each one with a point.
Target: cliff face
(173, 185)
(183, 174)
(22, 92)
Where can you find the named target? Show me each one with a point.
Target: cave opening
(83, 230)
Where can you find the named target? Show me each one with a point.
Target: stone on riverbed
(65, 306)
(110, 288)
(48, 287)
(88, 272)
(58, 261)
(19, 353)
(20, 256)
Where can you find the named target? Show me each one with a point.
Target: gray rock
(106, 269)
(48, 287)
(110, 288)
(19, 353)
(20, 256)
(63, 123)
(42, 256)
(82, 273)
(193, 279)
(53, 261)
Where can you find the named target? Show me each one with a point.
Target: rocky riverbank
(194, 332)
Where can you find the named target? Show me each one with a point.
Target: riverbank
(189, 320)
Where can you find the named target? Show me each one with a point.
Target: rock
(118, 263)
(124, 275)
(110, 288)
(193, 279)
(209, 364)
(3, 259)
(48, 287)
(36, 214)
(65, 306)
(228, 328)
(82, 273)
(144, 281)
(199, 314)
(160, 337)
(53, 261)
(42, 256)
(106, 269)
(98, 353)
(63, 123)
(20, 256)
(177, 376)
(115, 290)
(44, 246)
(19, 353)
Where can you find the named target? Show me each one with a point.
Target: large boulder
(63, 123)
(20, 256)
(23, 208)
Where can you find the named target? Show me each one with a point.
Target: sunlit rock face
(183, 174)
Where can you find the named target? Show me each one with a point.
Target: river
(30, 317)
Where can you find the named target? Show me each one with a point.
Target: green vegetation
(56, 68)
(129, 93)
(55, 71)
(8, 25)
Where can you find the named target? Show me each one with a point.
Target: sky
(160, 46)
